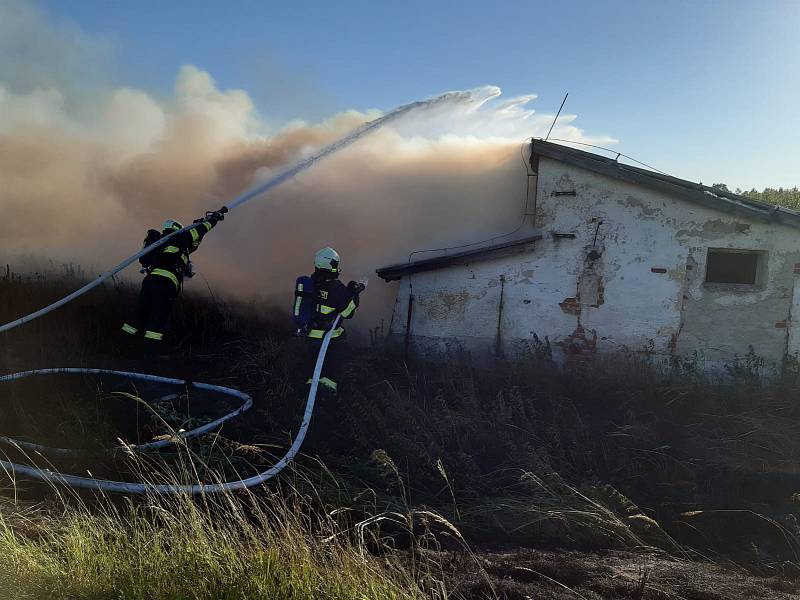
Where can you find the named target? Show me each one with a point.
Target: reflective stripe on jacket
(169, 275)
(332, 298)
(318, 334)
(172, 259)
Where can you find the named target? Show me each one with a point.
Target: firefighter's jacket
(332, 298)
(172, 259)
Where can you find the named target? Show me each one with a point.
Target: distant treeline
(788, 197)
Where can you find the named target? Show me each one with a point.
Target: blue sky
(707, 90)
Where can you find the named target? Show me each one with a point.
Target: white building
(615, 258)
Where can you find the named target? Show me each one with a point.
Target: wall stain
(444, 305)
(579, 345)
(715, 228)
(634, 202)
(526, 276)
(565, 184)
(672, 344)
(720, 226)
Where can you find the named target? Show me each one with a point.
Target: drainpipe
(533, 172)
(498, 345)
(408, 319)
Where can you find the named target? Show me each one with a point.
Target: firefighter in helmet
(166, 267)
(330, 298)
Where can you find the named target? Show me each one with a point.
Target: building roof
(708, 197)
(516, 246)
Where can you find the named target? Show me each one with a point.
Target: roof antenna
(557, 114)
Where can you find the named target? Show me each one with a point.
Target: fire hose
(105, 485)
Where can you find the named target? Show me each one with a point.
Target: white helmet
(327, 259)
(172, 225)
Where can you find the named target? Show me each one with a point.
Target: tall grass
(516, 454)
(231, 547)
(270, 545)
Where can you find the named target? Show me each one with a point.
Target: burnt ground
(522, 574)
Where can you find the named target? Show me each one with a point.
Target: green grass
(178, 548)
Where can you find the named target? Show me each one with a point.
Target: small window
(733, 267)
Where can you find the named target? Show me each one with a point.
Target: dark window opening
(732, 266)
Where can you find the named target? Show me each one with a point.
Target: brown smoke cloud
(84, 187)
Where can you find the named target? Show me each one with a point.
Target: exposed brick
(781, 324)
(658, 270)
(570, 306)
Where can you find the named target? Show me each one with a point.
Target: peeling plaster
(590, 288)
(571, 306)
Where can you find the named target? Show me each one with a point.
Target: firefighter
(330, 298)
(166, 266)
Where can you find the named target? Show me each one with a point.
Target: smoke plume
(86, 168)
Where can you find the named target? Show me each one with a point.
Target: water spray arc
(144, 488)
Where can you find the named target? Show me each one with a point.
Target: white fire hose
(106, 485)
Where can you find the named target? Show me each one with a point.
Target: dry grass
(611, 455)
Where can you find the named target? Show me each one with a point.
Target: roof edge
(399, 270)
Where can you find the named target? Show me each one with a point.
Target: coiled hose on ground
(150, 488)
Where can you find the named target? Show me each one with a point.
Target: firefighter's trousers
(331, 368)
(154, 308)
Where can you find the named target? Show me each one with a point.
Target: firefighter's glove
(356, 287)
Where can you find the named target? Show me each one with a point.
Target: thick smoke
(85, 170)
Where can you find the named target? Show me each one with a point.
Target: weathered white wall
(592, 295)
